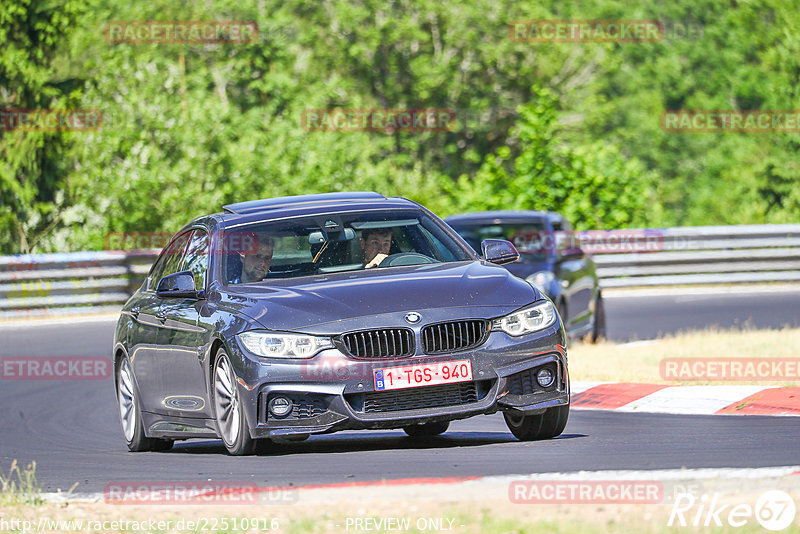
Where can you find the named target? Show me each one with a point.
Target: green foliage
(595, 186)
(33, 165)
(20, 486)
(559, 126)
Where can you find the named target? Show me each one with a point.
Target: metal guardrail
(708, 255)
(63, 283)
(88, 282)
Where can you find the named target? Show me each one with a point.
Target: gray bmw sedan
(287, 317)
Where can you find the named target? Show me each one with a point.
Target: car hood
(364, 299)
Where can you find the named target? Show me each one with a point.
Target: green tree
(190, 127)
(33, 165)
(594, 185)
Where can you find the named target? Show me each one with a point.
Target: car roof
(500, 216)
(253, 206)
(307, 205)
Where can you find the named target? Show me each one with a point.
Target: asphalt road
(71, 428)
(632, 318)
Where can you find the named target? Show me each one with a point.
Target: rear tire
(599, 329)
(130, 414)
(228, 412)
(426, 429)
(547, 425)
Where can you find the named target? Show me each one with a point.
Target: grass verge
(19, 486)
(640, 361)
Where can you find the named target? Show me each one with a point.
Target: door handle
(135, 312)
(162, 316)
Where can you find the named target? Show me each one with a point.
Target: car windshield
(530, 238)
(334, 242)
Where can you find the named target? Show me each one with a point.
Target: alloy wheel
(127, 402)
(226, 401)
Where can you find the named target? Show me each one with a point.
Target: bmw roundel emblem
(413, 317)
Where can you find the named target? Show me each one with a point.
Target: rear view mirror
(499, 251)
(317, 237)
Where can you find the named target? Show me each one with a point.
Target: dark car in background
(269, 321)
(550, 258)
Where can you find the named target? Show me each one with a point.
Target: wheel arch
(119, 354)
(216, 344)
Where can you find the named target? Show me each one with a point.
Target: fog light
(545, 377)
(280, 406)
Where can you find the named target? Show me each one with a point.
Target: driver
(256, 260)
(375, 242)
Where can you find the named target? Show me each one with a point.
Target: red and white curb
(695, 400)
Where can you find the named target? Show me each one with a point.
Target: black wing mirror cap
(570, 253)
(179, 285)
(499, 251)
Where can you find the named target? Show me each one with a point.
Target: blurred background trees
(573, 127)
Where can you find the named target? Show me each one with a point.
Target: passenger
(376, 243)
(256, 258)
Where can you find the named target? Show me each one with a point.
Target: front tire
(561, 308)
(228, 410)
(130, 414)
(547, 425)
(426, 429)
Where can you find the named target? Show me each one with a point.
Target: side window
(196, 258)
(169, 260)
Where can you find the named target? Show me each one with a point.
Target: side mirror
(570, 253)
(179, 285)
(499, 251)
(567, 246)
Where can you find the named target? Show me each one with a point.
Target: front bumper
(333, 392)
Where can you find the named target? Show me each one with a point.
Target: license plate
(427, 374)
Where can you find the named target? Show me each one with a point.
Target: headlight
(272, 345)
(526, 321)
(541, 280)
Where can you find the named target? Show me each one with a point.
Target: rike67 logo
(774, 510)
